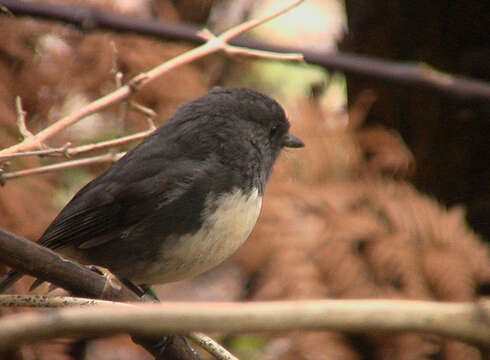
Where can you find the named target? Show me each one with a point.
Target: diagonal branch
(33, 259)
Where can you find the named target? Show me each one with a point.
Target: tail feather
(8, 280)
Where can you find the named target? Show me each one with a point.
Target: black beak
(292, 141)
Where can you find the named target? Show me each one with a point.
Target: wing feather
(109, 207)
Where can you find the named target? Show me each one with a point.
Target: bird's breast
(227, 221)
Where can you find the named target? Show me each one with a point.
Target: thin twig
(148, 112)
(118, 80)
(244, 27)
(211, 346)
(236, 50)
(67, 150)
(109, 143)
(21, 119)
(97, 105)
(45, 152)
(64, 165)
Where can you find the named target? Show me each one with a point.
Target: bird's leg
(142, 290)
(148, 290)
(133, 287)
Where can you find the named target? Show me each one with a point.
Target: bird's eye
(273, 131)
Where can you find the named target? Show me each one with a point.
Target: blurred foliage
(245, 347)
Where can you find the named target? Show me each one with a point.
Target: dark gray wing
(108, 207)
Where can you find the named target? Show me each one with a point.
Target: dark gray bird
(183, 200)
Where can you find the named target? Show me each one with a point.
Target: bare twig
(67, 150)
(110, 157)
(45, 152)
(211, 346)
(118, 80)
(235, 50)
(21, 119)
(244, 27)
(97, 105)
(104, 144)
(122, 93)
(149, 113)
(114, 68)
(463, 321)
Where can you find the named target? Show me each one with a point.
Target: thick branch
(462, 321)
(409, 74)
(38, 261)
(33, 259)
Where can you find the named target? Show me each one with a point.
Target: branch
(33, 259)
(409, 74)
(462, 321)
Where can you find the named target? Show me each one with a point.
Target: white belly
(222, 233)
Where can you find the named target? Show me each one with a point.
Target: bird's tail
(8, 280)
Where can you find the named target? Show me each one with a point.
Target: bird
(183, 200)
